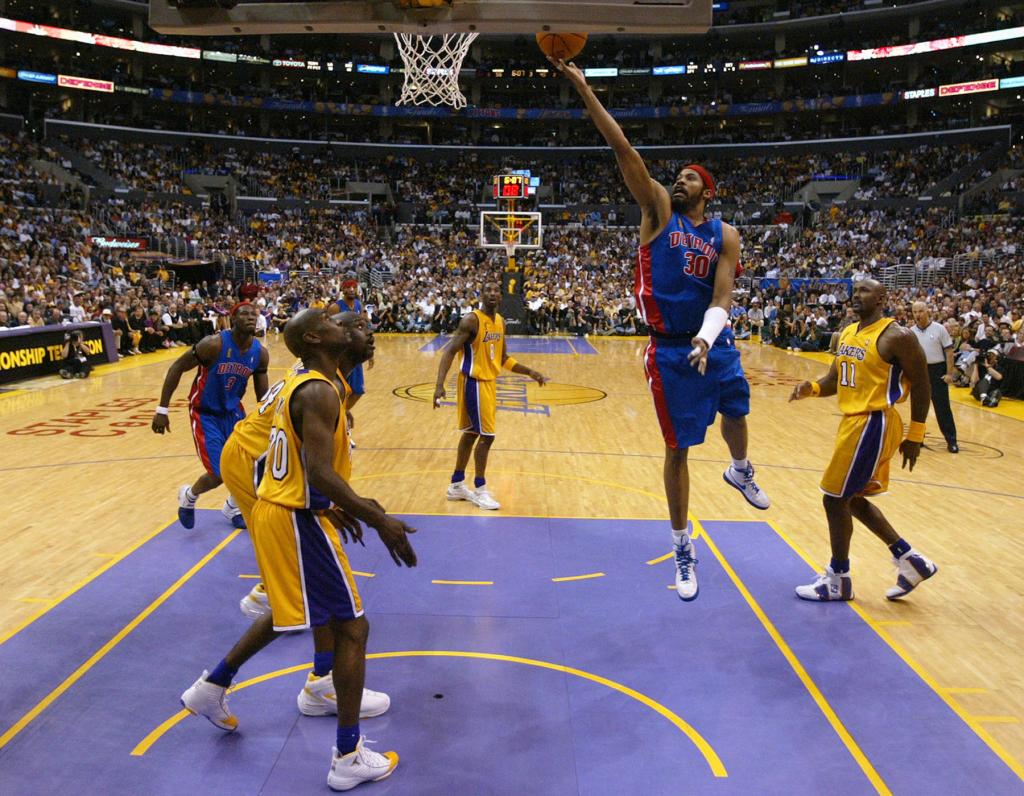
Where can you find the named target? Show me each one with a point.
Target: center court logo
(515, 394)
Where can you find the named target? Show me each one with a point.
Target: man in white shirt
(938, 351)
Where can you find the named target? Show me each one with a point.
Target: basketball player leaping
(684, 282)
(877, 361)
(225, 360)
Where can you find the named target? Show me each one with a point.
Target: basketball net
(432, 65)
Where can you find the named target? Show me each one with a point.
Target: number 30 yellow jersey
(481, 356)
(867, 383)
(285, 481)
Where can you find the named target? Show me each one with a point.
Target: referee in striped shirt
(938, 350)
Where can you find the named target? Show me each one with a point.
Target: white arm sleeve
(715, 319)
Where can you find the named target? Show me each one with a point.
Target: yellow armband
(916, 431)
(509, 363)
(815, 389)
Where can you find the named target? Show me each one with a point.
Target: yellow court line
(997, 719)
(808, 682)
(578, 577)
(659, 559)
(527, 516)
(61, 597)
(12, 392)
(464, 582)
(969, 720)
(250, 577)
(964, 690)
(97, 656)
(712, 758)
(363, 574)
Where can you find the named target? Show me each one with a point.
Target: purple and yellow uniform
(304, 568)
(871, 430)
(476, 397)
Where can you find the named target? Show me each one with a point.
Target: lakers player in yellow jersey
(480, 339)
(878, 363)
(307, 576)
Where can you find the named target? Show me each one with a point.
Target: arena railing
(87, 130)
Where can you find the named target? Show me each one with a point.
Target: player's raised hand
(910, 451)
(802, 390)
(346, 524)
(699, 356)
(161, 423)
(395, 535)
(439, 393)
(570, 70)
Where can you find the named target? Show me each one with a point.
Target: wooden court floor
(86, 482)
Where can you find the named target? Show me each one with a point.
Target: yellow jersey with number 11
(867, 383)
(481, 356)
(285, 481)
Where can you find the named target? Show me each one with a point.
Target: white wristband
(715, 319)
(162, 410)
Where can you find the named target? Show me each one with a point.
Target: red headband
(709, 181)
(350, 283)
(239, 306)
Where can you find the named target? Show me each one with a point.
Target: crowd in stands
(423, 277)
(585, 180)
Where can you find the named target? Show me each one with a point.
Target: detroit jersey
(481, 356)
(867, 383)
(219, 388)
(285, 482)
(675, 276)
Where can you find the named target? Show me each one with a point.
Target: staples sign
(972, 87)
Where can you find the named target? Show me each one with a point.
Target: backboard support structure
(458, 16)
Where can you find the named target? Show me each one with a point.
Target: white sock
(230, 502)
(190, 497)
(741, 464)
(680, 538)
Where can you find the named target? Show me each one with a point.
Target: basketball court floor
(537, 649)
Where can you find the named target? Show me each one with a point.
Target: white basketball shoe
(209, 700)
(911, 569)
(362, 765)
(686, 572)
(459, 491)
(483, 498)
(743, 480)
(317, 698)
(828, 586)
(255, 604)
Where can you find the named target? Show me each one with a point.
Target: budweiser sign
(135, 244)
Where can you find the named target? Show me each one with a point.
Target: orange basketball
(561, 45)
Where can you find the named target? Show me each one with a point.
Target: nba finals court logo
(515, 394)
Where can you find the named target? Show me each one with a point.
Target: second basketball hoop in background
(561, 45)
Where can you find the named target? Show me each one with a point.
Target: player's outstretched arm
(315, 411)
(821, 388)
(466, 331)
(901, 346)
(518, 367)
(650, 195)
(202, 353)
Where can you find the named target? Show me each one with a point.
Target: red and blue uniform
(675, 280)
(215, 401)
(355, 378)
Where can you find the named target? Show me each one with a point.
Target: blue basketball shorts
(687, 402)
(355, 380)
(210, 432)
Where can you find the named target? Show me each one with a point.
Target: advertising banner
(38, 351)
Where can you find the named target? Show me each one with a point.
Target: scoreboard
(515, 185)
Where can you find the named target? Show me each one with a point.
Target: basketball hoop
(432, 65)
(510, 249)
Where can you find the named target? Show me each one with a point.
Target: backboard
(500, 229)
(389, 16)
